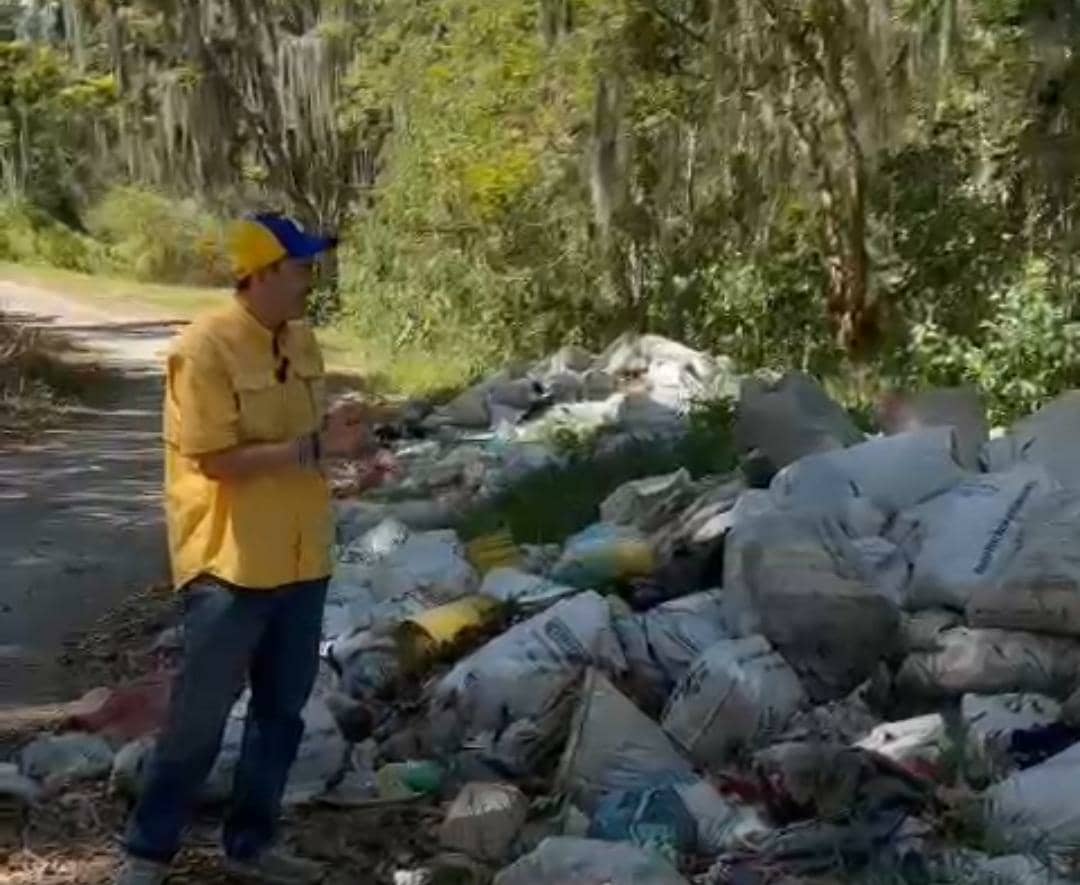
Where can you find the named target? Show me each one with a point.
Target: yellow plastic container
(493, 551)
(424, 635)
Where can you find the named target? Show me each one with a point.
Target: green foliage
(1024, 353)
(29, 236)
(549, 505)
(157, 239)
(522, 174)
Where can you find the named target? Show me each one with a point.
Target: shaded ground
(80, 518)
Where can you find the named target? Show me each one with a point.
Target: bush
(551, 504)
(29, 236)
(157, 239)
(1025, 353)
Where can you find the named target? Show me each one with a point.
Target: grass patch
(106, 292)
(407, 372)
(549, 505)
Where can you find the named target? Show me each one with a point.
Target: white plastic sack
(814, 593)
(526, 678)
(738, 693)
(1039, 589)
(961, 408)
(965, 538)
(66, 758)
(1049, 438)
(432, 563)
(991, 662)
(964, 865)
(661, 644)
(921, 631)
(892, 472)
(564, 859)
(528, 591)
(613, 746)
(483, 821)
(790, 419)
(1036, 809)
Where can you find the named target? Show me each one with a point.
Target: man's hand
(346, 434)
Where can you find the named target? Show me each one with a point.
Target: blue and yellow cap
(258, 241)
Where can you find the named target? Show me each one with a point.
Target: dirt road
(80, 514)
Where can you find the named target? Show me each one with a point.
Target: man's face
(289, 284)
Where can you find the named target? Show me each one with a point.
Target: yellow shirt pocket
(307, 396)
(261, 401)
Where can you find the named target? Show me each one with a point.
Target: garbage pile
(507, 426)
(864, 658)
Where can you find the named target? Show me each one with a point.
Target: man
(249, 526)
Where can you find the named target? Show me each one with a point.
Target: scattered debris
(713, 683)
(484, 820)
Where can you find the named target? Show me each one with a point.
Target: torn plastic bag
(613, 747)
(648, 504)
(893, 472)
(655, 820)
(844, 721)
(16, 790)
(1035, 810)
(790, 419)
(961, 408)
(964, 539)
(705, 521)
(738, 693)
(819, 847)
(520, 686)
(991, 662)
(1049, 438)
(564, 859)
(603, 554)
(817, 600)
(918, 745)
(60, 759)
(375, 544)
(812, 779)
(676, 820)
(992, 721)
(661, 644)
(530, 592)
(1039, 589)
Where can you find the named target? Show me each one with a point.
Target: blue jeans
(271, 639)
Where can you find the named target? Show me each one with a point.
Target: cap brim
(306, 247)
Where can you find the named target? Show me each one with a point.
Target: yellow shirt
(223, 389)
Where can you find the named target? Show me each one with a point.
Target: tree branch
(676, 23)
